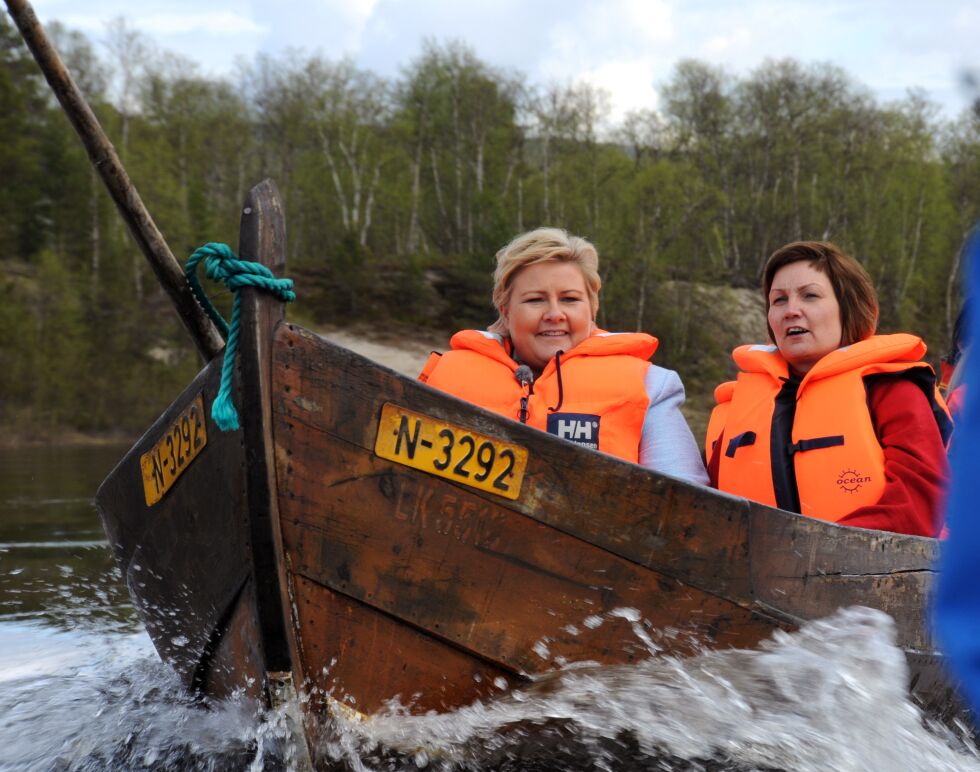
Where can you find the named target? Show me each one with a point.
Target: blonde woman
(545, 363)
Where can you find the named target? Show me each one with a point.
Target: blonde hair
(540, 246)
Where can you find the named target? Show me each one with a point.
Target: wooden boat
(365, 537)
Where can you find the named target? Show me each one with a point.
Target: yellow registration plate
(174, 451)
(450, 451)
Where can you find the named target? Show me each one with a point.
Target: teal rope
(222, 265)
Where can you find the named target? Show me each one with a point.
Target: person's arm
(915, 461)
(666, 443)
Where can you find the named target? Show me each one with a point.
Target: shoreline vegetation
(397, 349)
(398, 193)
(401, 349)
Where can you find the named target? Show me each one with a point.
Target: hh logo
(581, 428)
(850, 481)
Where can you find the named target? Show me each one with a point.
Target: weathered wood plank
(184, 558)
(811, 575)
(236, 663)
(346, 643)
(263, 240)
(650, 519)
(466, 567)
(488, 579)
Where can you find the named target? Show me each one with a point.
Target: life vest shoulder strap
(718, 419)
(430, 365)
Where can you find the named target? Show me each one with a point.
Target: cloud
(356, 9)
(206, 22)
(337, 25)
(652, 20)
(595, 32)
(628, 47)
(721, 45)
(630, 84)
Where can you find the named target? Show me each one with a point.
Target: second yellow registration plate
(450, 451)
(162, 464)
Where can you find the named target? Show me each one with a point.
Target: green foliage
(399, 193)
(20, 159)
(53, 326)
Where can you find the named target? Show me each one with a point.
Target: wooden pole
(103, 156)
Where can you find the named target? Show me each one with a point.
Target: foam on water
(107, 702)
(829, 697)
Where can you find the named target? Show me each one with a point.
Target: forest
(399, 192)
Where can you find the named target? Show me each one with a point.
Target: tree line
(398, 193)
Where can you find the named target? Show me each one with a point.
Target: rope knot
(222, 265)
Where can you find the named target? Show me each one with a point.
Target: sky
(628, 47)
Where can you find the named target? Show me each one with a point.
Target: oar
(103, 156)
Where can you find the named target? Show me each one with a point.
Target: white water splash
(829, 697)
(107, 702)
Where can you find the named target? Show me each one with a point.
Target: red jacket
(916, 470)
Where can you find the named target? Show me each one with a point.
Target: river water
(81, 686)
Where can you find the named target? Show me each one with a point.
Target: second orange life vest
(837, 459)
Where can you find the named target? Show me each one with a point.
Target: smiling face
(548, 311)
(804, 315)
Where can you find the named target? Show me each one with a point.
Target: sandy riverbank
(401, 350)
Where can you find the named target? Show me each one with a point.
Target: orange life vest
(594, 394)
(837, 459)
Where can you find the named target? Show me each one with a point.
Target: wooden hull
(185, 560)
(292, 549)
(482, 582)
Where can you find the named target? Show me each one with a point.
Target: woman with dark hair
(832, 421)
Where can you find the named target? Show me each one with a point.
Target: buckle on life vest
(815, 444)
(739, 441)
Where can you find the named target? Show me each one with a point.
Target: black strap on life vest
(780, 442)
(561, 388)
(742, 440)
(816, 443)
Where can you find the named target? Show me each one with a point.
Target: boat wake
(97, 702)
(829, 697)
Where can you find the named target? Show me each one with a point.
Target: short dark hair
(852, 286)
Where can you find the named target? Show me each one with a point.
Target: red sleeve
(915, 462)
